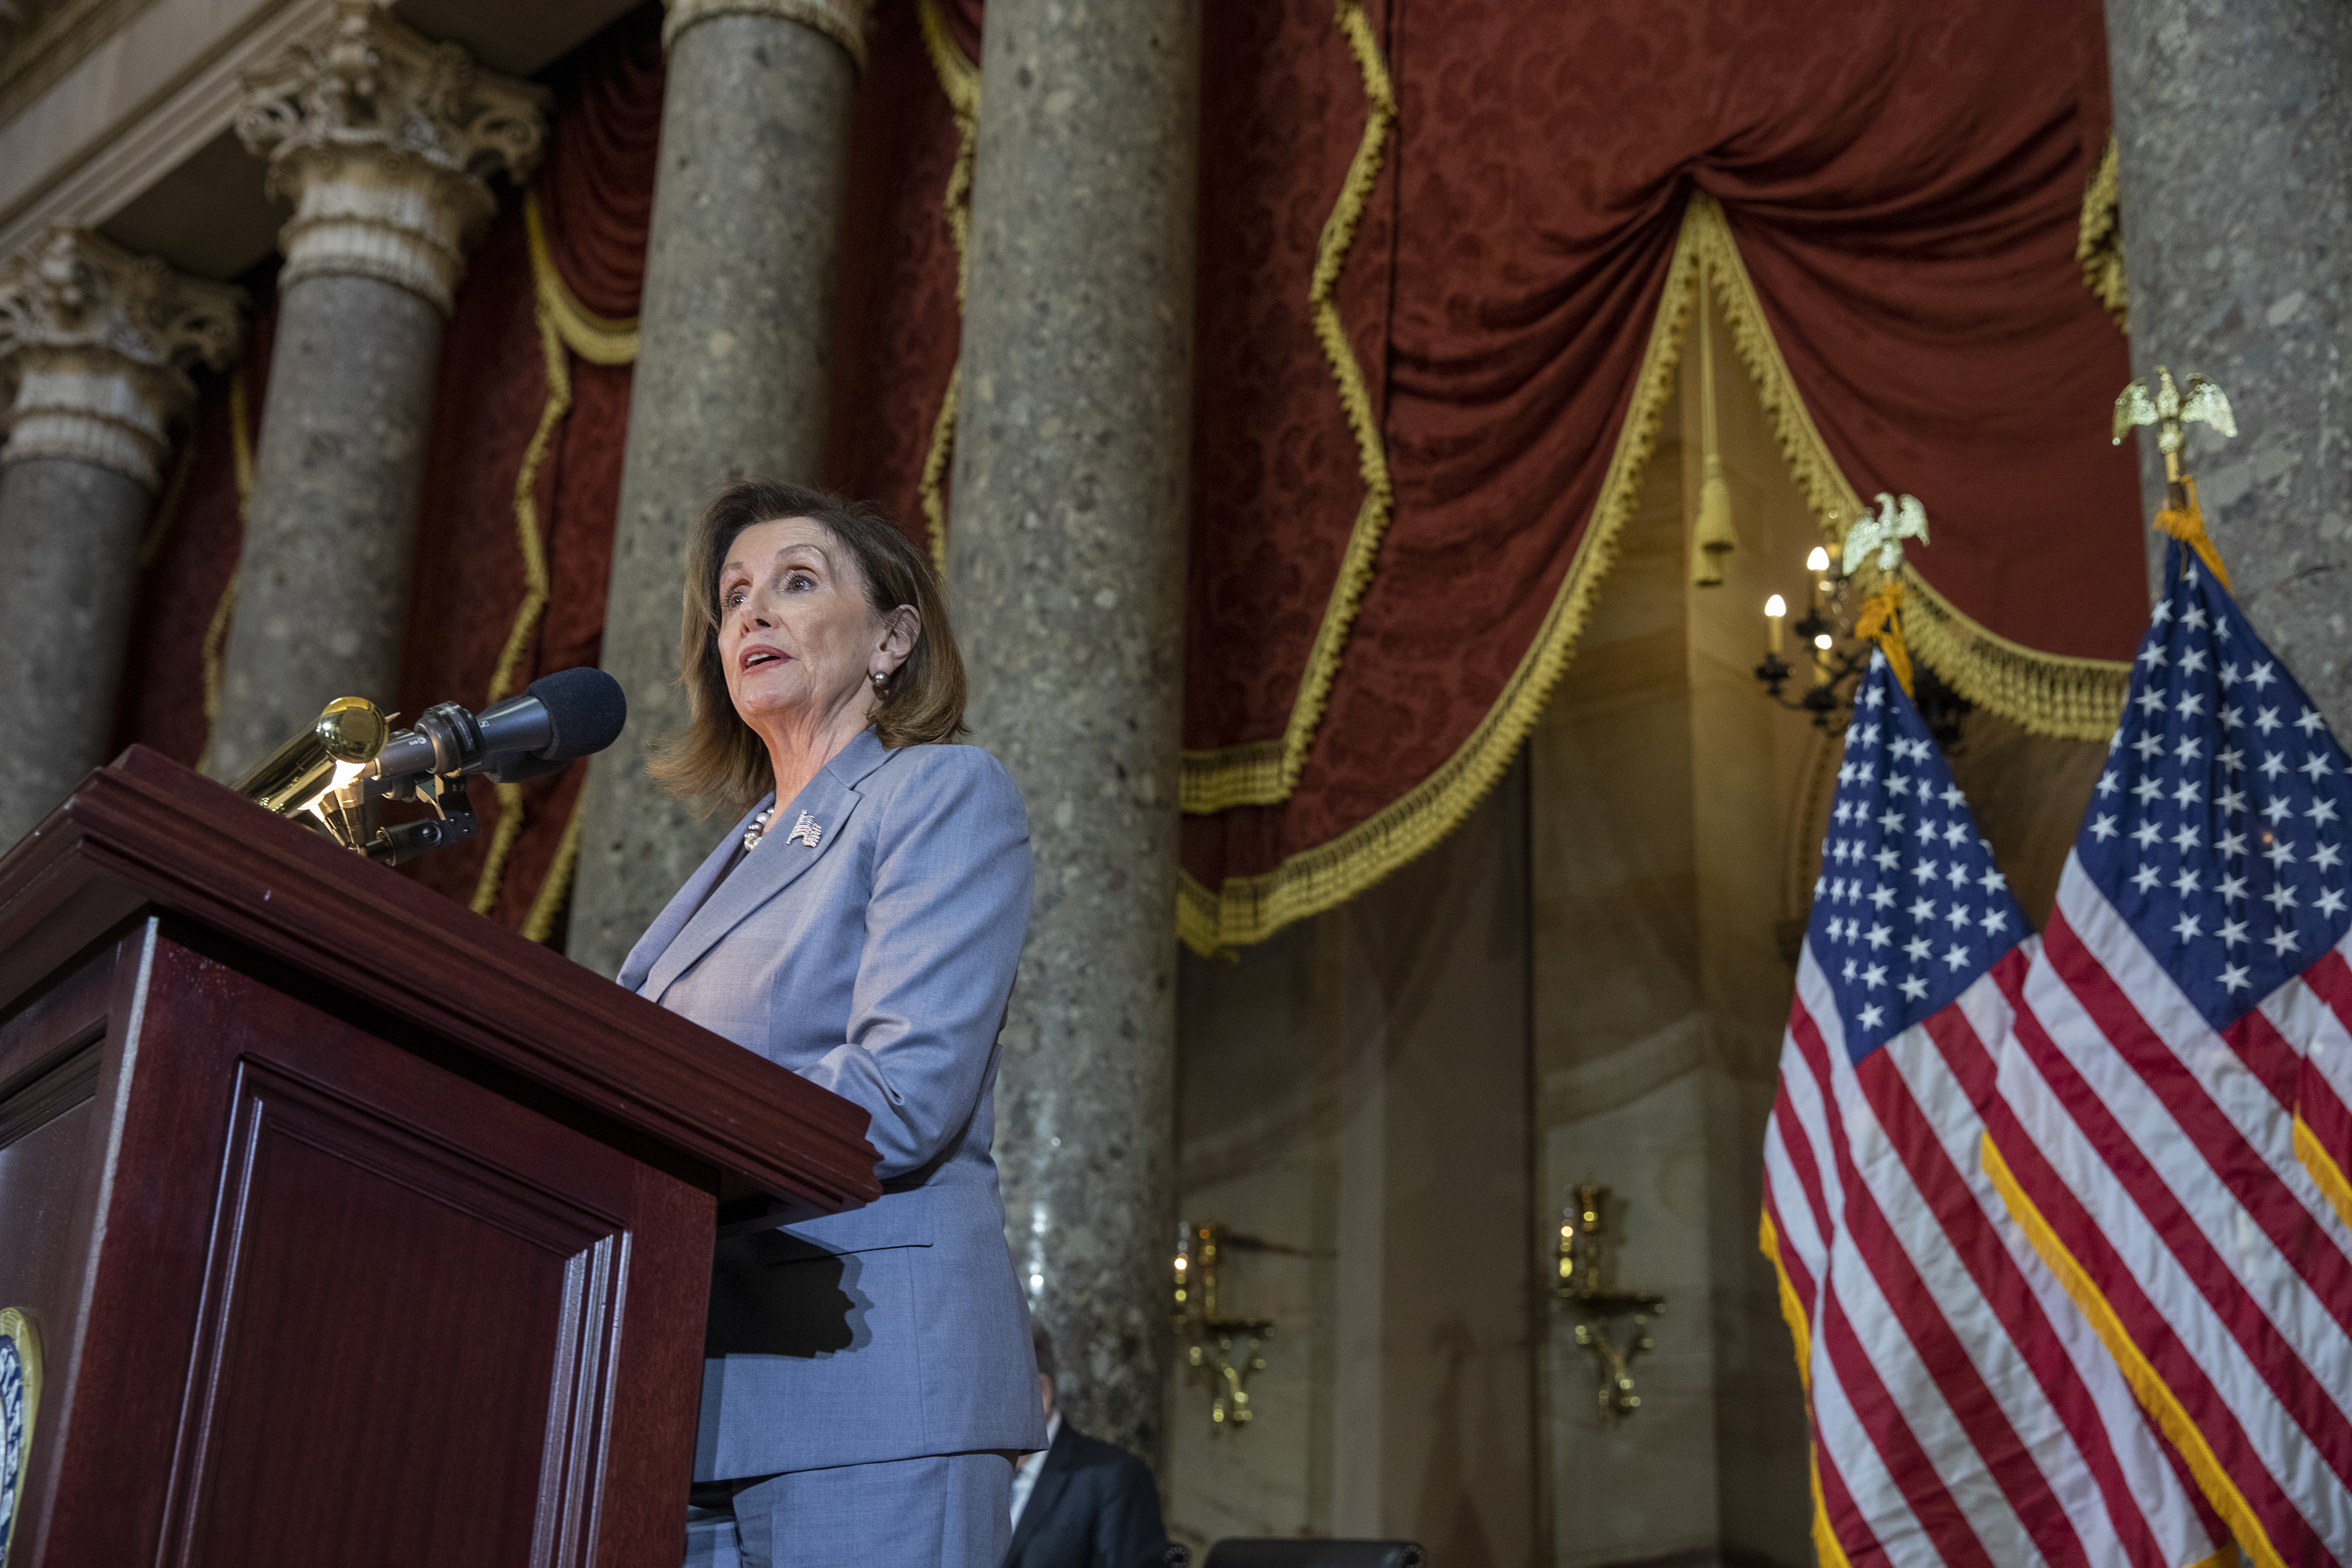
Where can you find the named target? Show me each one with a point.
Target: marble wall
(1353, 1104)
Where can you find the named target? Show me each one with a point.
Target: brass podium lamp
(316, 769)
(1585, 1285)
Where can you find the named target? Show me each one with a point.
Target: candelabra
(1839, 657)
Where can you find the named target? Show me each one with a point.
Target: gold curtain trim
(2146, 1384)
(599, 339)
(1263, 773)
(2099, 246)
(504, 678)
(556, 890)
(215, 644)
(2045, 693)
(958, 78)
(167, 511)
(1250, 908)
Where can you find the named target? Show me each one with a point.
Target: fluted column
(384, 143)
(1066, 556)
(731, 377)
(2233, 127)
(97, 343)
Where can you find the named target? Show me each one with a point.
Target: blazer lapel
(680, 908)
(776, 863)
(1053, 1481)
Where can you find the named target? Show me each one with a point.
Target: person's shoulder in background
(1105, 1515)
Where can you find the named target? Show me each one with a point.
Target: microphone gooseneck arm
(534, 734)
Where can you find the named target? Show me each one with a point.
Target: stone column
(384, 143)
(734, 337)
(1066, 557)
(97, 343)
(2233, 125)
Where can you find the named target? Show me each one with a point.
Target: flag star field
(1909, 909)
(2217, 825)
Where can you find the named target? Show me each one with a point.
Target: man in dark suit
(1082, 1503)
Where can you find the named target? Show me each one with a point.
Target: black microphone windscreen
(587, 708)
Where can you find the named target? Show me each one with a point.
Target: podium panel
(319, 1279)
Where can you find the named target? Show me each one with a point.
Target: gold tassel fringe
(1263, 773)
(215, 644)
(958, 78)
(2099, 245)
(1247, 909)
(2044, 693)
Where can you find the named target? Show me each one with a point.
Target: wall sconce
(1209, 1338)
(1586, 1284)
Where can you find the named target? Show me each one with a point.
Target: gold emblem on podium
(20, 1396)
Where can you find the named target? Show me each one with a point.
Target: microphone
(542, 730)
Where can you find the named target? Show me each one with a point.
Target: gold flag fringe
(1263, 773)
(2155, 1395)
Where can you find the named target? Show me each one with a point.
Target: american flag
(2182, 1029)
(1962, 1412)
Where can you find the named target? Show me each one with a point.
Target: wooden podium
(355, 1229)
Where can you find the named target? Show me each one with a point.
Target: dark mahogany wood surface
(342, 1306)
(145, 832)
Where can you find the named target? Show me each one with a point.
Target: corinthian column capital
(97, 344)
(383, 141)
(842, 21)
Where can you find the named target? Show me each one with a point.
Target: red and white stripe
(2161, 1155)
(2315, 1013)
(1963, 1412)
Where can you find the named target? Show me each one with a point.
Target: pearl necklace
(758, 830)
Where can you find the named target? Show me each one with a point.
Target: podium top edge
(145, 832)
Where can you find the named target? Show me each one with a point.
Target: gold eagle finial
(2170, 409)
(1897, 518)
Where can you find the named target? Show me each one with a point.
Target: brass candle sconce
(1209, 1338)
(1586, 1284)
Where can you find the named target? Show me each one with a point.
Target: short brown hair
(718, 757)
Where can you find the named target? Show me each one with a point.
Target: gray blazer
(878, 965)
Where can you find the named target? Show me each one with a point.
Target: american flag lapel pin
(805, 831)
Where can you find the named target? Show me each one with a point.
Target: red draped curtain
(1445, 256)
(523, 475)
(1885, 198)
(187, 560)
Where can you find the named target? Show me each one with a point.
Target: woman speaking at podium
(869, 1380)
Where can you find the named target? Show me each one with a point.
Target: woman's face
(796, 637)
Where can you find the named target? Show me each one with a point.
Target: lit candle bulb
(1822, 659)
(1776, 610)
